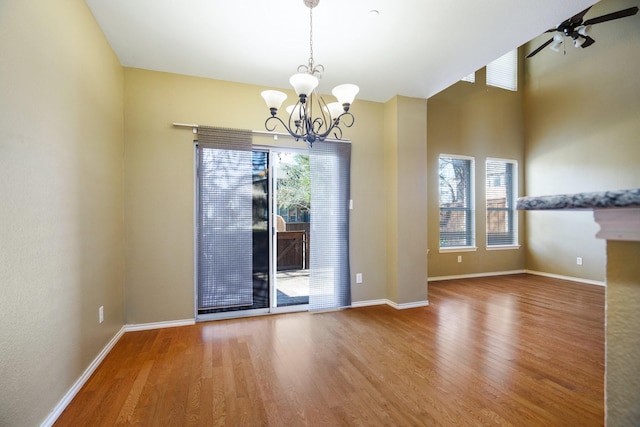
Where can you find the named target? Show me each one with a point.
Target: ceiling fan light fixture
(584, 30)
(579, 29)
(556, 46)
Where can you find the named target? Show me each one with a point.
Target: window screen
(456, 201)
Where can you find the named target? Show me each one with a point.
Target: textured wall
(61, 202)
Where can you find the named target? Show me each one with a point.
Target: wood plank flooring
(503, 351)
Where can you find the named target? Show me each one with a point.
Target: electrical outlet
(101, 314)
(459, 258)
(359, 278)
(579, 260)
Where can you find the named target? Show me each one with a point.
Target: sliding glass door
(256, 220)
(292, 213)
(233, 231)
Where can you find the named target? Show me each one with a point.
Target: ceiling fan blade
(545, 44)
(588, 41)
(611, 16)
(577, 18)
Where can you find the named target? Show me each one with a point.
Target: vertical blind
(329, 285)
(224, 193)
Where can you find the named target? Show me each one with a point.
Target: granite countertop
(596, 200)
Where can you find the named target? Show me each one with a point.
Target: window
(456, 183)
(471, 78)
(501, 191)
(503, 72)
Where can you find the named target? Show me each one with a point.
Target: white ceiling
(411, 47)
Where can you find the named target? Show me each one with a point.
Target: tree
(294, 187)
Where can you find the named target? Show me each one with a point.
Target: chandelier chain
(311, 36)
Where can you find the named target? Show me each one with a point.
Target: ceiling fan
(578, 30)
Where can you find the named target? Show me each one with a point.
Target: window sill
(502, 247)
(458, 249)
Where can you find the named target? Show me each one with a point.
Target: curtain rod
(194, 129)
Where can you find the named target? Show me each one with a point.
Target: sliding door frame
(271, 150)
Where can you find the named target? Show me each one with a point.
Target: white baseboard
(474, 275)
(404, 306)
(68, 397)
(569, 278)
(390, 303)
(368, 303)
(159, 325)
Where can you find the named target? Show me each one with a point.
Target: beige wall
(159, 203)
(406, 199)
(582, 114)
(61, 208)
(473, 119)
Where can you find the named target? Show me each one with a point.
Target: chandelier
(301, 123)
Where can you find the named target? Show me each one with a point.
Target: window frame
(511, 196)
(470, 208)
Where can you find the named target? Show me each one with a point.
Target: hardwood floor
(513, 351)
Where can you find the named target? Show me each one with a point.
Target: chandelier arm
(348, 123)
(337, 131)
(317, 126)
(284, 125)
(321, 136)
(298, 122)
(324, 112)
